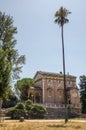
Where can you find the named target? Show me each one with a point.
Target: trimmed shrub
(28, 102)
(27, 110)
(20, 105)
(37, 111)
(17, 112)
(28, 105)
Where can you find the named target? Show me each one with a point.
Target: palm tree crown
(61, 16)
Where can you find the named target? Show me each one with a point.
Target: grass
(43, 125)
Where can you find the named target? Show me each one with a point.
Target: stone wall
(55, 113)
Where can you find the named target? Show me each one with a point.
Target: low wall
(58, 110)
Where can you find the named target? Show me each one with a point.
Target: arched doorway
(37, 97)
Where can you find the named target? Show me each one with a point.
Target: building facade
(49, 90)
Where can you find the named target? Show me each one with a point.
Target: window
(60, 93)
(50, 82)
(70, 84)
(49, 92)
(59, 81)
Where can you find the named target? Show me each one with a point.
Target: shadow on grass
(3, 125)
(64, 126)
(58, 126)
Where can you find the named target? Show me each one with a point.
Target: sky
(39, 38)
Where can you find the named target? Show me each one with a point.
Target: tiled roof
(54, 74)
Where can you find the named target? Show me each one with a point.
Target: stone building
(49, 90)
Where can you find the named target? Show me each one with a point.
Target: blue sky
(39, 39)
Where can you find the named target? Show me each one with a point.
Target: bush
(11, 102)
(17, 112)
(27, 110)
(28, 105)
(28, 102)
(20, 105)
(71, 112)
(37, 111)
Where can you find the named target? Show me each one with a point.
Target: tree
(11, 101)
(4, 78)
(22, 86)
(5, 70)
(8, 42)
(82, 85)
(10, 61)
(61, 19)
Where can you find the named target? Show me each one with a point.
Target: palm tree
(61, 19)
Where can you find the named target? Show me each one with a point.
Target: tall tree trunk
(0, 109)
(65, 92)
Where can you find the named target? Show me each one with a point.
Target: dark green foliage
(5, 71)
(17, 112)
(71, 112)
(10, 102)
(27, 110)
(20, 105)
(8, 42)
(22, 86)
(82, 85)
(37, 111)
(28, 102)
(28, 105)
(10, 61)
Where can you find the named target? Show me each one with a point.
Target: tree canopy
(61, 16)
(5, 70)
(22, 87)
(10, 60)
(82, 85)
